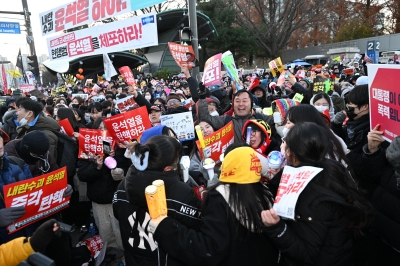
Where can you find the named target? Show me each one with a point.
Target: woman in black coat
(328, 211)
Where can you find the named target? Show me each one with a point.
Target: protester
(323, 103)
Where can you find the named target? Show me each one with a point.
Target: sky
(10, 43)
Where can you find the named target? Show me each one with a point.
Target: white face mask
(285, 131)
(215, 113)
(23, 121)
(147, 97)
(321, 108)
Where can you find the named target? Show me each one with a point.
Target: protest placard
(129, 125)
(218, 141)
(182, 54)
(384, 99)
(65, 127)
(293, 182)
(276, 66)
(230, 67)
(41, 196)
(212, 71)
(125, 103)
(131, 33)
(82, 95)
(181, 124)
(126, 72)
(81, 12)
(26, 87)
(91, 142)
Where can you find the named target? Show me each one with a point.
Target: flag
(14, 73)
(3, 74)
(109, 69)
(337, 58)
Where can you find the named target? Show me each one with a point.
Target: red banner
(42, 196)
(91, 142)
(26, 87)
(3, 74)
(66, 127)
(126, 72)
(218, 141)
(182, 54)
(384, 99)
(129, 125)
(125, 103)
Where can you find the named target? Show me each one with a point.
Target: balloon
(78, 76)
(80, 71)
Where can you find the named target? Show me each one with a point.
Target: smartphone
(106, 147)
(287, 73)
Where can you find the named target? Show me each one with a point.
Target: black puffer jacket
(130, 209)
(100, 184)
(319, 235)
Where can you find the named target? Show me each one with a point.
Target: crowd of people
(348, 214)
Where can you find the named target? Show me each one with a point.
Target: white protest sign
(82, 95)
(293, 182)
(181, 124)
(125, 103)
(131, 33)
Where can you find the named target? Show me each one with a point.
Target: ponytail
(140, 158)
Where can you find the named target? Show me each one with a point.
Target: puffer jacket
(100, 184)
(15, 251)
(130, 209)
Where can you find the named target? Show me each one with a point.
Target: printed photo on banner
(81, 12)
(91, 143)
(181, 124)
(293, 182)
(212, 71)
(131, 33)
(384, 99)
(183, 54)
(276, 66)
(129, 125)
(125, 103)
(41, 196)
(217, 142)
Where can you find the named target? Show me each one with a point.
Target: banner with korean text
(125, 103)
(81, 12)
(41, 196)
(218, 142)
(131, 33)
(384, 99)
(293, 182)
(126, 72)
(212, 71)
(91, 142)
(182, 54)
(181, 124)
(129, 125)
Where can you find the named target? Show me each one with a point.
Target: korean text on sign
(129, 125)
(125, 103)
(181, 124)
(42, 196)
(212, 71)
(91, 142)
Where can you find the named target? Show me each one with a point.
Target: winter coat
(220, 121)
(48, 126)
(130, 209)
(15, 251)
(100, 184)
(9, 125)
(221, 240)
(319, 234)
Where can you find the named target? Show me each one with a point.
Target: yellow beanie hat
(241, 166)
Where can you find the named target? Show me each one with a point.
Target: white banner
(81, 12)
(127, 34)
(181, 124)
(109, 69)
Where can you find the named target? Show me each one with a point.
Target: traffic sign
(10, 27)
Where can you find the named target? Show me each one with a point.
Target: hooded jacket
(331, 107)
(48, 125)
(262, 101)
(130, 209)
(9, 125)
(221, 240)
(15, 251)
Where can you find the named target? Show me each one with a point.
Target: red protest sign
(125, 103)
(384, 99)
(126, 72)
(218, 141)
(66, 127)
(91, 142)
(129, 125)
(42, 196)
(182, 54)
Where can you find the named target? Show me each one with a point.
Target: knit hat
(260, 125)
(9, 100)
(393, 154)
(306, 81)
(213, 99)
(241, 166)
(283, 106)
(173, 96)
(36, 142)
(154, 131)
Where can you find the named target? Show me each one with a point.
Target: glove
(339, 118)
(44, 235)
(9, 215)
(202, 91)
(68, 191)
(117, 174)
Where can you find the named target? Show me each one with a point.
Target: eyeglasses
(172, 102)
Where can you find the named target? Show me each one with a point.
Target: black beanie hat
(36, 142)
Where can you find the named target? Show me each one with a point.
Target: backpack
(67, 154)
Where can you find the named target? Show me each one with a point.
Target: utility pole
(28, 26)
(194, 39)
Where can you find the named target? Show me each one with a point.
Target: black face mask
(350, 113)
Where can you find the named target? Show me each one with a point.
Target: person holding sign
(231, 233)
(328, 211)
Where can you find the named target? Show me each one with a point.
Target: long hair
(311, 150)
(63, 113)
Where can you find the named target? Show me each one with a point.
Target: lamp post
(194, 39)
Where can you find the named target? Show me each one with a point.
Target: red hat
(4, 135)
